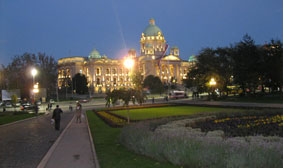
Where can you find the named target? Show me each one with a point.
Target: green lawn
(147, 113)
(5, 119)
(111, 154)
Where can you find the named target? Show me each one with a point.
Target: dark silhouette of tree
(18, 73)
(154, 84)
(246, 61)
(80, 83)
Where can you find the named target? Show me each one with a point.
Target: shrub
(190, 147)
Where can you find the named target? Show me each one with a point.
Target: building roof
(94, 54)
(174, 47)
(152, 29)
(192, 58)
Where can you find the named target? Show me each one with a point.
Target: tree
(154, 84)
(137, 80)
(273, 62)
(246, 61)
(18, 76)
(14, 100)
(80, 83)
(126, 96)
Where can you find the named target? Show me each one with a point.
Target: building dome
(94, 54)
(174, 47)
(192, 58)
(152, 29)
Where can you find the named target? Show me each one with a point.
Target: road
(24, 144)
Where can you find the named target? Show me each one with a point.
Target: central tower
(152, 41)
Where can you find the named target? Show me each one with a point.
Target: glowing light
(129, 63)
(33, 72)
(212, 82)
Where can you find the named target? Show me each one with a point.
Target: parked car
(27, 106)
(84, 101)
(8, 104)
(51, 101)
(17, 104)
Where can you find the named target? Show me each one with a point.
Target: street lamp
(33, 73)
(129, 63)
(212, 84)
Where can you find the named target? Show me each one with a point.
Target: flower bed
(138, 107)
(176, 142)
(266, 125)
(111, 120)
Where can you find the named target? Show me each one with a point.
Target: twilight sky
(63, 28)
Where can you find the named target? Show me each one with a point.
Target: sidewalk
(73, 149)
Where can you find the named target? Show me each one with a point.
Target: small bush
(185, 146)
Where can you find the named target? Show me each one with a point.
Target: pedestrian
(36, 109)
(57, 117)
(4, 108)
(152, 100)
(70, 108)
(79, 112)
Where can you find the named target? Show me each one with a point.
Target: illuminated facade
(107, 74)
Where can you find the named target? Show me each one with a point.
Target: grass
(8, 118)
(148, 113)
(113, 155)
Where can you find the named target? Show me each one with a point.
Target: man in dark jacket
(57, 117)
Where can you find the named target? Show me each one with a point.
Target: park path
(24, 144)
(74, 148)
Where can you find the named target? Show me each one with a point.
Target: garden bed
(265, 125)
(182, 143)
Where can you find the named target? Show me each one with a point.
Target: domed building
(107, 74)
(153, 59)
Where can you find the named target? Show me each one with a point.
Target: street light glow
(212, 82)
(129, 63)
(33, 72)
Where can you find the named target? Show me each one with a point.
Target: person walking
(36, 108)
(152, 100)
(57, 117)
(70, 108)
(79, 112)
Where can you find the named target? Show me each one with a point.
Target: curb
(96, 163)
(47, 156)
(19, 121)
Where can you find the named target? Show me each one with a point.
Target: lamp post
(129, 63)
(212, 84)
(33, 73)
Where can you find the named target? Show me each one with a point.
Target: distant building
(107, 74)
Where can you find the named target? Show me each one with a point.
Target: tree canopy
(80, 83)
(245, 64)
(18, 73)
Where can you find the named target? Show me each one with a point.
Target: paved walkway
(230, 104)
(24, 144)
(73, 149)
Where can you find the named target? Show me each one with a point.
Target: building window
(107, 71)
(115, 81)
(97, 71)
(114, 71)
(98, 81)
